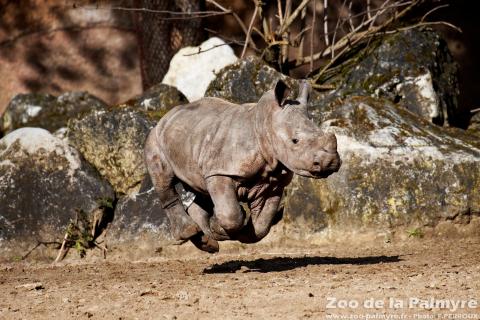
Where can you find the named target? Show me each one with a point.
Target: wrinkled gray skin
(231, 154)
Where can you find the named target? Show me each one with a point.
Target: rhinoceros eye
(295, 140)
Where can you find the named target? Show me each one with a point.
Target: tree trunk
(160, 38)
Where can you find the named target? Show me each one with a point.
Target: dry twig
(325, 22)
(285, 34)
(289, 20)
(356, 34)
(312, 32)
(62, 252)
(355, 38)
(235, 16)
(39, 243)
(211, 48)
(249, 31)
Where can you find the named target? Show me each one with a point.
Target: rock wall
(400, 167)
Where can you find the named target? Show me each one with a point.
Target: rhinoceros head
(296, 141)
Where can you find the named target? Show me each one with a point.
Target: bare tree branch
(289, 20)
(422, 24)
(369, 14)
(334, 38)
(39, 243)
(312, 32)
(172, 15)
(356, 33)
(211, 48)
(355, 38)
(285, 33)
(301, 34)
(229, 40)
(280, 13)
(235, 16)
(433, 10)
(260, 33)
(350, 18)
(249, 31)
(380, 11)
(325, 22)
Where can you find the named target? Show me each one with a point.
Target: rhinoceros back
(209, 137)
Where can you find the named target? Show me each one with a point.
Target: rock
(46, 111)
(31, 286)
(140, 213)
(112, 141)
(44, 183)
(390, 158)
(193, 68)
(413, 68)
(157, 101)
(246, 80)
(474, 126)
(397, 170)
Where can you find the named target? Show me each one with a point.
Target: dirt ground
(325, 281)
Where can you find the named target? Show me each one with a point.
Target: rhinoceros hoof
(205, 243)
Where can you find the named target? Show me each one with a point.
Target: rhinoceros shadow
(279, 264)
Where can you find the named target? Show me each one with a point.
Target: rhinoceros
(226, 154)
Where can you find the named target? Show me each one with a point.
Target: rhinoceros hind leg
(205, 243)
(182, 225)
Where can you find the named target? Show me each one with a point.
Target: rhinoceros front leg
(264, 213)
(228, 216)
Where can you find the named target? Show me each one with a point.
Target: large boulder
(139, 214)
(413, 68)
(112, 141)
(398, 169)
(391, 151)
(248, 79)
(245, 81)
(156, 101)
(193, 68)
(45, 184)
(46, 111)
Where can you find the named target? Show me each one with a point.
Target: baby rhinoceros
(226, 154)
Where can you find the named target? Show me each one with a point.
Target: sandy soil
(254, 282)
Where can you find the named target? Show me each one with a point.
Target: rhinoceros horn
(303, 93)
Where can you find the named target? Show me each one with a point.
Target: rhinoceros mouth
(316, 174)
(322, 174)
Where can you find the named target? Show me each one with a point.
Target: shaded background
(57, 46)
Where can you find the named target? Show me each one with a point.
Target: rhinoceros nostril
(316, 163)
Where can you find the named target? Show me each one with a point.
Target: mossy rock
(47, 111)
(112, 141)
(246, 80)
(412, 68)
(156, 101)
(397, 170)
(44, 183)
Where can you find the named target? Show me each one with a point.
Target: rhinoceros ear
(281, 92)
